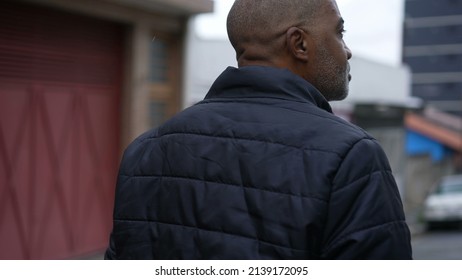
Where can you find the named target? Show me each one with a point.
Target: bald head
(256, 28)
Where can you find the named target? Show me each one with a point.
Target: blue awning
(418, 144)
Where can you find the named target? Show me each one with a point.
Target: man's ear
(297, 43)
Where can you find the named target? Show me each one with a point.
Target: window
(164, 78)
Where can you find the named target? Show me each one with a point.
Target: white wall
(373, 81)
(205, 60)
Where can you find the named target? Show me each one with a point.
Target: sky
(374, 27)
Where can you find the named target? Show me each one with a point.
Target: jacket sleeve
(365, 218)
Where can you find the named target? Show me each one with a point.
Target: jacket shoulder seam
(244, 139)
(227, 184)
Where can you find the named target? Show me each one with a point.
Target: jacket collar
(265, 82)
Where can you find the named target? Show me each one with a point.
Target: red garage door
(60, 86)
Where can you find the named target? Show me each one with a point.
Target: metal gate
(60, 86)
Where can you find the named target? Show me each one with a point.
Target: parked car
(444, 203)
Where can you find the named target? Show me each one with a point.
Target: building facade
(432, 47)
(79, 79)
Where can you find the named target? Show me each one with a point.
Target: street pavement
(441, 244)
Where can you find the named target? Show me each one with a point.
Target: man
(261, 168)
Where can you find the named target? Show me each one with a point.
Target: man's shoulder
(287, 123)
(292, 120)
(342, 127)
(337, 134)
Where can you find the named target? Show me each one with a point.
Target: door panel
(60, 81)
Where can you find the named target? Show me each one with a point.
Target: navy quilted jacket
(260, 169)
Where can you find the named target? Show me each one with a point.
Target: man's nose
(349, 54)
